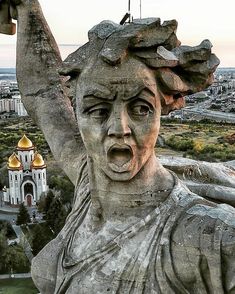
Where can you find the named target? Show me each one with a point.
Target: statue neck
(134, 198)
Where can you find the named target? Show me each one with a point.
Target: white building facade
(18, 106)
(27, 175)
(13, 104)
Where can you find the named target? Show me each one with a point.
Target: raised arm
(42, 88)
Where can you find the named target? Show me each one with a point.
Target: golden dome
(25, 143)
(14, 162)
(38, 161)
(11, 157)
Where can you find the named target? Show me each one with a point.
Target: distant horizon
(8, 54)
(197, 21)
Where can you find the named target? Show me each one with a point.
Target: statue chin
(119, 176)
(119, 173)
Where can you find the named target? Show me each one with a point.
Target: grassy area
(206, 132)
(11, 132)
(17, 286)
(202, 141)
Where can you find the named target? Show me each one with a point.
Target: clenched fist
(13, 6)
(7, 12)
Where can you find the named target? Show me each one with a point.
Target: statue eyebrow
(92, 94)
(91, 100)
(95, 96)
(146, 89)
(95, 93)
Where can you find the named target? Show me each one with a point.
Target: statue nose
(119, 125)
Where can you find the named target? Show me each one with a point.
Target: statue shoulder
(207, 224)
(204, 238)
(214, 181)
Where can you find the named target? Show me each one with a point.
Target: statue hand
(6, 13)
(9, 11)
(14, 4)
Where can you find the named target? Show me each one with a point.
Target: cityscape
(10, 100)
(35, 197)
(216, 103)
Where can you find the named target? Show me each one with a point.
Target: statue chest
(131, 259)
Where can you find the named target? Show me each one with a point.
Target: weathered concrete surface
(134, 227)
(210, 180)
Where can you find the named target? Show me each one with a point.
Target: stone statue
(135, 227)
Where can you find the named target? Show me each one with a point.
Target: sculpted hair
(179, 70)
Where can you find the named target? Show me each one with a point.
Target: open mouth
(119, 155)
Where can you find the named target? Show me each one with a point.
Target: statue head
(123, 79)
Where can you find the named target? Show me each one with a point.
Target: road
(24, 242)
(10, 214)
(10, 217)
(214, 115)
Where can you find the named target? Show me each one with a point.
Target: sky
(197, 20)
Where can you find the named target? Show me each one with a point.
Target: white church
(27, 175)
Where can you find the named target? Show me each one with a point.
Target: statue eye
(140, 109)
(99, 112)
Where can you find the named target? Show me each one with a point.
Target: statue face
(119, 117)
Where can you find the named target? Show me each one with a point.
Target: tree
(23, 215)
(15, 260)
(56, 215)
(48, 200)
(11, 257)
(3, 248)
(6, 227)
(41, 235)
(64, 185)
(54, 210)
(45, 202)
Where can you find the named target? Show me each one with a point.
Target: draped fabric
(185, 245)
